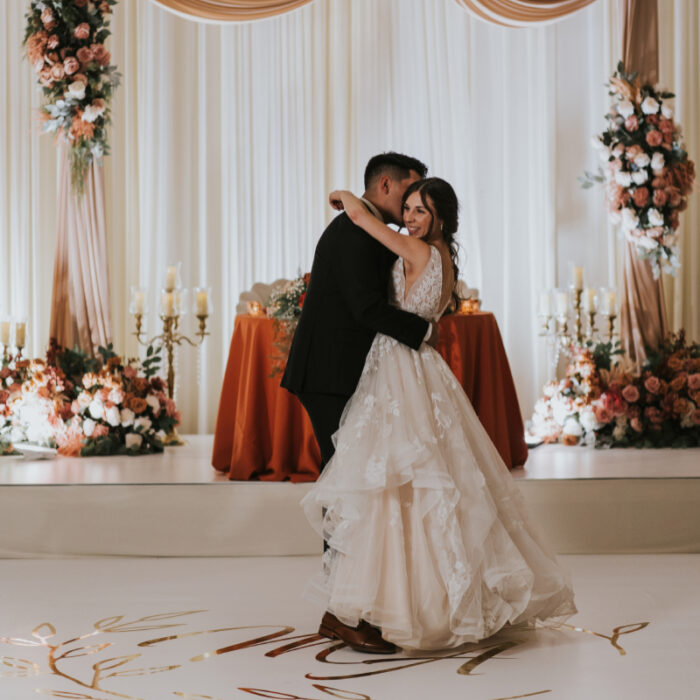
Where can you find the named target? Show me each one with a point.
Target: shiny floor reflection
(215, 629)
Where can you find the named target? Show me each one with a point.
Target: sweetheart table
(263, 433)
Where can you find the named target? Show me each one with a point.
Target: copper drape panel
(231, 10)
(520, 13)
(643, 321)
(80, 306)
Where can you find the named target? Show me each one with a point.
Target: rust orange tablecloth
(262, 431)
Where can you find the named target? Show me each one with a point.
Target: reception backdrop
(226, 140)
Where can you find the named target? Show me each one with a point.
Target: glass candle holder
(172, 277)
(138, 305)
(201, 301)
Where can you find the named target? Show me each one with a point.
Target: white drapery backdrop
(226, 141)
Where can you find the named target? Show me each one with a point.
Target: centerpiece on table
(65, 44)
(648, 174)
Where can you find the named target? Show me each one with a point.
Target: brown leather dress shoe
(364, 637)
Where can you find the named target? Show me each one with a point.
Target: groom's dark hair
(395, 165)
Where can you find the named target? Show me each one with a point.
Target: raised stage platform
(176, 504)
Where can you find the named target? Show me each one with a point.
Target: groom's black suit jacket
(345, 306)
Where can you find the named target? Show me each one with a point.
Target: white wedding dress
(429, 539)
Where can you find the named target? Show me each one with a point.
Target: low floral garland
(601, 402)
(65, 44)
(648, 173)
(84, 406)
(284, 306)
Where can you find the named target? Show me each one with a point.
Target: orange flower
(569, 440)
(137, 405)
(679, 382)
(681, 407)
(80, 129)
(675, 363)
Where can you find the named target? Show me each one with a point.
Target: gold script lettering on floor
(218, 629)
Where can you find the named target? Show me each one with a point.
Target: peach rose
(100, 54)
(82, 31)
(654, 138)
(602, 414)
(653, 414)
(682, 406)
(45, 77)
(660, 198)
(52, 42)
(71, 65)
(47, 18)
(630, 393)
(84, 55)
(636, 425)
(652, 384)
(659, 182)
(675, 363)
(695, 417)
(81, 77)
(652, 119)
(100, 430)
(57, 71)
(679, 382)
(641, 196)
(632, 123)
(666, 126)
(694, 381)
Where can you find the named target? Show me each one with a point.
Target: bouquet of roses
(64, 42)
(648, 175)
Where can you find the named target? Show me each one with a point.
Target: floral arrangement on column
(65, 44)
(648, 174)
(85, 406)
(602, 402)
(284, 306)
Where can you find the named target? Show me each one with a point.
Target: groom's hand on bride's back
(434, 337)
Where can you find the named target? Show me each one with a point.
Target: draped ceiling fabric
(231, 10)
(523, 13)
(643, 324)
(80, 306)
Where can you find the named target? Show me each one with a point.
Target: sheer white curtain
(226, 141)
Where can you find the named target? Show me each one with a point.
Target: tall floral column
(65, 46)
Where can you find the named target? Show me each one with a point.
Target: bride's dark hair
(446, 206)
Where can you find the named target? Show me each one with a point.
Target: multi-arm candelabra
(571, 319)
(173, 307)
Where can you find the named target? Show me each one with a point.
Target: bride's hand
(336, 200)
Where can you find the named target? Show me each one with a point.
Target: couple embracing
(427, 542)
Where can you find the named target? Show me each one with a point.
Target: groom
(345, 306)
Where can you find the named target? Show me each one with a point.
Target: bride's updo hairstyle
(446, 207)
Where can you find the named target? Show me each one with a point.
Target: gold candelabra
(173, 307)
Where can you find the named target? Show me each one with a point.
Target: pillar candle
(578, 277)
(588, 300)
(202, 304)
(138, 301)
(610, 295)
(170, 277)
(167, 303)
(562, 301)
(5, 332)
(20, 334)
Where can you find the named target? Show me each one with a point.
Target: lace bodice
(424, 295)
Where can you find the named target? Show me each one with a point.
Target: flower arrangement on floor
(648, 175)
(65, 44)
(85, 406)
(284, 306)
(600, 402)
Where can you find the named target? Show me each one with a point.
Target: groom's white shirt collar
(373, 209)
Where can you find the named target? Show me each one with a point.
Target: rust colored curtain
(521, 13)
(80, 306)
(231, 10)
(643, 323)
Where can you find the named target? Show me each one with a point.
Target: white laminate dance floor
(219, 629)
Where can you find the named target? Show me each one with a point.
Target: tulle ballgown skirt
(429, 538)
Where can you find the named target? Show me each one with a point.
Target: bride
(428, 538)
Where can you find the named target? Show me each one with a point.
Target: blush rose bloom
(71, 65)
(660, 198)
(654, 138)
(632, 123)
(82, 31)
(630, 393)
(84, 55)
(652, 384)
(603, 415)
(694, 381)
(636, 425)
(641, 196)
(52, 42)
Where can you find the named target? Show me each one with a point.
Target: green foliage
(151, 365)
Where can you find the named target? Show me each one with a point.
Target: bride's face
(419, 219)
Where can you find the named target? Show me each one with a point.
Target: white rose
(84, 399)
(160, 435)
(97, 409)
(629, 219)
(588, 421)
(76, 90)
(618, 150)
(127, 417)
(572, 427)
(116, 396)
(625, 108)
(642, 160)
(91, 113)
(89, 427)
(623, 178)
(667, 112)
(646, 242)
(655, 218)
(640, 177)
(153, 402)
(112, 416)
(650, 106)
(133, 440)
(143, 423)
(657, 162)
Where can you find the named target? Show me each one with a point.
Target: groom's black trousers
(324, 411)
